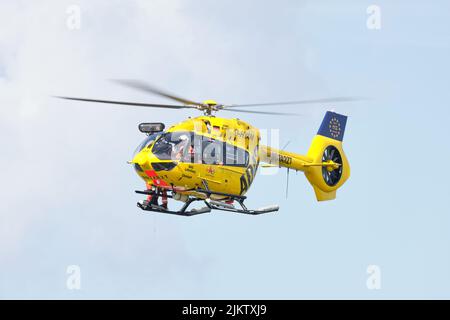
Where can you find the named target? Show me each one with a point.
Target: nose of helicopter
(140, 159)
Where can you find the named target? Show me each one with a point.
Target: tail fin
(326, 146)
(333, 126)
(325, 165)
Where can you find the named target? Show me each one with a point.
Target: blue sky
(67, 192)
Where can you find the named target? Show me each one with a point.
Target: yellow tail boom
(325, 165)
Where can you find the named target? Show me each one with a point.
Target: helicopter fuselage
(209, 158)
(207, 152)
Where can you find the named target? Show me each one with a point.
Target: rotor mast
(208, 106)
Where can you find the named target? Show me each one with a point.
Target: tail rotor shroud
(331, 175)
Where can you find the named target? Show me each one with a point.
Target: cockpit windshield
(172, 145)
(146, 143)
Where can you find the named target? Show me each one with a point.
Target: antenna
(287, 172)
(287, 182)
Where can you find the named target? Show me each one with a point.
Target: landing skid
(217, 205)
(210, 205)
(182, 212)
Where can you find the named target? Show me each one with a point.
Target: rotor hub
(209, 106)
(210, 102)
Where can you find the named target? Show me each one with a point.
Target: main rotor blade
(326, 100)
(136, 104)
(142, 86)
(262, 112)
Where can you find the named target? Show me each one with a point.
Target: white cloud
(60, 159)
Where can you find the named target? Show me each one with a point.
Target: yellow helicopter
(215, 160)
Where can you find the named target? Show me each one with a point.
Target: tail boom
(281, 158)
(325, 165)
(290, 160)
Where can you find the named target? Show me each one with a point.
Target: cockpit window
(172, 145)
(146, 143)
(193, 148)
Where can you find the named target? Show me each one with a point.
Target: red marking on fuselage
(150, 173)
(155, 180)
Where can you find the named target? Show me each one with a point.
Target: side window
(242, 157)
(230, 155)
(212, 151)
(206, 150)
(235, 156)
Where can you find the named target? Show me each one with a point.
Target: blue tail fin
(333, 126)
